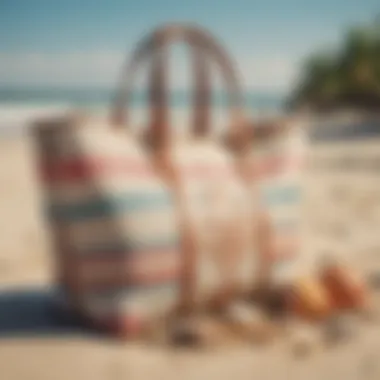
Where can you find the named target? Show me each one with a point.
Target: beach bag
(218, 254)
(113, 222)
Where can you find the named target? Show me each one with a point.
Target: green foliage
(348, 78)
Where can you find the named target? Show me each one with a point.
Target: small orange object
(308, 299)
(345, 288)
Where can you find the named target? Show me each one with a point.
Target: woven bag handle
(202, 45)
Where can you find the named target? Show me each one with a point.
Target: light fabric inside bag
(279, 163)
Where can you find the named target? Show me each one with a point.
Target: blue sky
(84, 42)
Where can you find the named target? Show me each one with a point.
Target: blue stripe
(105, 206)
(282, 195)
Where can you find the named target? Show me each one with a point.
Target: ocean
(19, 106)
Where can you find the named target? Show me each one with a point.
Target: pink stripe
(284, 248)
(135, 279)
(287, 247)
(131, 264)
(206, 171)
(124, 277)
(275, 165)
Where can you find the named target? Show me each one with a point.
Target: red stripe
(120, 272)
(124, 326)
(84, 168)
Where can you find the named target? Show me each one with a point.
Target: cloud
(103, 68)
(269, 72)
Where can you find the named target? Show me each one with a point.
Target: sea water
(20, 106)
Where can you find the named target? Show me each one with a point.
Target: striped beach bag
(113, 222)
(218, 256)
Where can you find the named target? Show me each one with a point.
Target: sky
(84, 42)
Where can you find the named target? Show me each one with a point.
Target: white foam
(17, 118)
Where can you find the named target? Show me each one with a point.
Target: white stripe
(147, 303)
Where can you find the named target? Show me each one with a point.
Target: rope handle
(203, 45)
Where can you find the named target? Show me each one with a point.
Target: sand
(342, 214)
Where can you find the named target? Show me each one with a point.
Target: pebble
(275, 303)
(305, 340)
(182, 332)
(156, 332)
(374, 280)
(244, 312)
(250, 323)
(340, 328)
(370, 313)
(198, 331)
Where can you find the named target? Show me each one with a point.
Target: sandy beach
(262, 233)
(342, 214)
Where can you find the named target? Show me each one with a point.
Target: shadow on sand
(28, 312)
